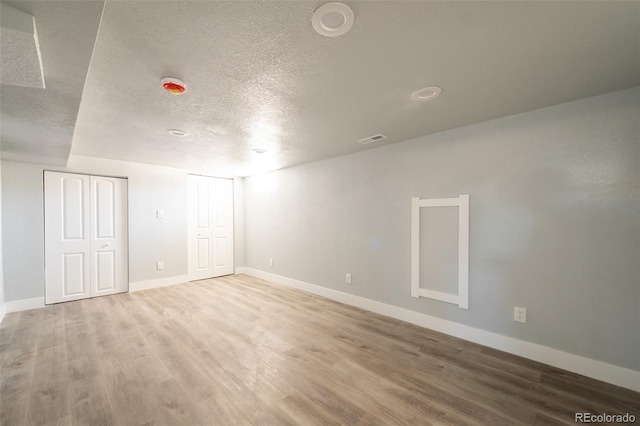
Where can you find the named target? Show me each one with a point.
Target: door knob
(105, 246)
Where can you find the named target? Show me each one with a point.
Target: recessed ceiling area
(37, 123)
(260, 76)
(20, 61)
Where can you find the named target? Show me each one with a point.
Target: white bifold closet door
(86, 236)
(210, 227)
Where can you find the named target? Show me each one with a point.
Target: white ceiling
(259, 76)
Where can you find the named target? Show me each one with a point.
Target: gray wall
(1, 268)
(238, 221)
(150, 239)
(555, 223)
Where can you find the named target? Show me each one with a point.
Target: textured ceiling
(258, 75)
(37, 124)
(20, 62)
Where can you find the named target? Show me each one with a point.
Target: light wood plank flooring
(238, 350)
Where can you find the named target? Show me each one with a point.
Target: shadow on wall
(561, 250)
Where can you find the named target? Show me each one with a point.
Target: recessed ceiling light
(332, 19)
(177, 132)
(427, 93)
(259, 151)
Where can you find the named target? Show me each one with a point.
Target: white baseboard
(23, 305)
(38, 302)
(599, 370)
(240, 270)
(161, 282)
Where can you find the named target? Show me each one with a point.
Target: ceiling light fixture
(177, 132)
(332, 19)
(173, 85)
(426, 93)
(259, 151)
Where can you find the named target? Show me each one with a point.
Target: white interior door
(201, 190)
(86, 237)
(67, 237)
(223, 228)
(109, 251)
(210, 227)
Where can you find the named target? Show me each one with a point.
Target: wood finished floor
(238, 350)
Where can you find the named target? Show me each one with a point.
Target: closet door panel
(67, 237)
(223, 231)
(109, 242)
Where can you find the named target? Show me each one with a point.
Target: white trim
(38, 302)
(463, 252)
(2, 312)
(438, 295)
(462, 203)
(415, 247)
(599, 370)
(23, 305)
(240, 270)
(439, 202)
(160, 282)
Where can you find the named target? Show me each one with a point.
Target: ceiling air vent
(374, 138)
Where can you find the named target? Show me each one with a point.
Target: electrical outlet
(271, 262)
(160, 265)
(519, 314)
(348, 279)
(160, 214)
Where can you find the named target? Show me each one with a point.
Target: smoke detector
(332, 19)
(173, 85)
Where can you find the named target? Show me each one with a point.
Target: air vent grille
(374, 138)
